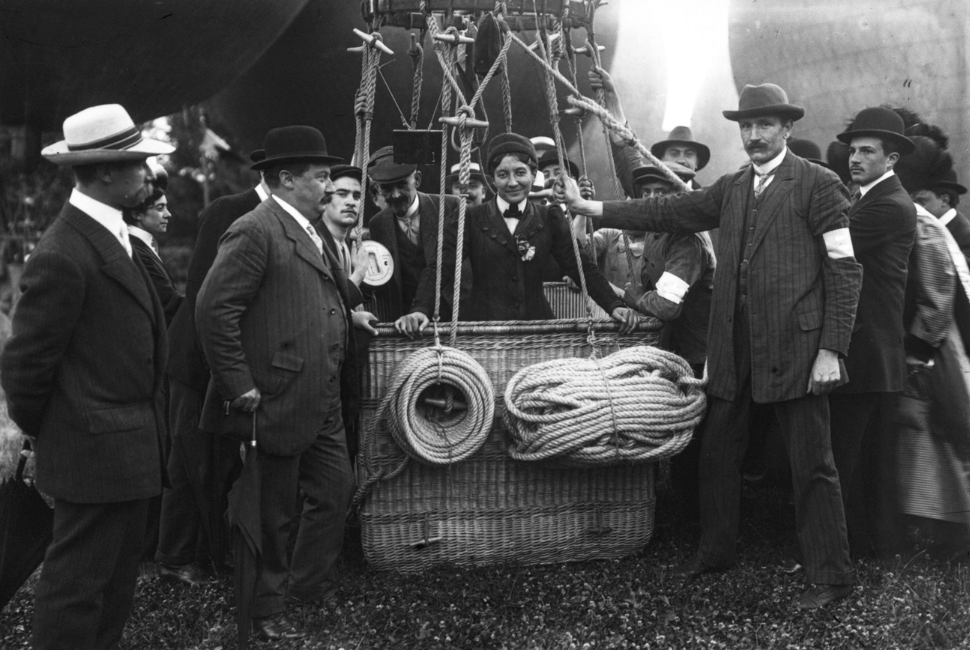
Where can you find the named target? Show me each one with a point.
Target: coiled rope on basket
(640, 404)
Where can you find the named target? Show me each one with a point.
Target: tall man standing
(883, 226)
(83, 376)
(782, 311)
(273, 318)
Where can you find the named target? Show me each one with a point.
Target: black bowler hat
(648, 173)
(808, 150)
(879, 122)
(294, 143)
(383, 169)
(764, 100)
(948, 183)
(505, 143)
(339, 171)
(551, 158)
(683, 135)
(257, 154)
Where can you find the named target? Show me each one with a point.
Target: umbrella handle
(22, 463)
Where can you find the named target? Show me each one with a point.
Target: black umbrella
(26, 524)
(245, 523)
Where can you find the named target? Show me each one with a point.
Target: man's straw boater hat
(102, 134)
(764, 100)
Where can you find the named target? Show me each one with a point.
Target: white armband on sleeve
(838, 243)
(672, 288)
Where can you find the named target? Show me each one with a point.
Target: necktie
(856, 195)
(315, 237)
(762, 181)
(345, 258)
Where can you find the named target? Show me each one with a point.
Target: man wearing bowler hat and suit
(275, 324)
(408, 228)
(83, 375)
(882, 223)
(782, 312)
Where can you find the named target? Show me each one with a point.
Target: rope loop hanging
(369, 66)
(416, 52)
(640, 404)
(429, 422)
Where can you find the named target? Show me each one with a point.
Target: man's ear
(417, 179)
(286, 178)
(891, 160)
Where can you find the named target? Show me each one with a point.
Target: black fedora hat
(766, 99)
(294, 143)
(683, 135)
(647, 173)
(879, 122)
(551, 158)
(808, 150)
(948, 183)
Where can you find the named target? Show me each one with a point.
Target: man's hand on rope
(412, 324)
(586, 188)
(826, 374)
(627, 317)
(632, 294)
(363, 321)
(566, 190)
(600, 78)
(248, 401)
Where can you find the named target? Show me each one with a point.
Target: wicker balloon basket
(490, 508)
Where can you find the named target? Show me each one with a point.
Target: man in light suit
(883, 226)
(274, 321)
(83, 376)
(782, 312)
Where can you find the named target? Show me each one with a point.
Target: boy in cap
(83, 376)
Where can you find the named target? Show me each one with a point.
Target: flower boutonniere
(526, 250)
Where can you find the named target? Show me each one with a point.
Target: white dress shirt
(305, 224)
(145, 236)
(510, 222)
(868, 186)
(771, 165)
(104, 214)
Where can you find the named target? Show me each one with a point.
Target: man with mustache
(408, 228)
(782, 311)
(883, 227)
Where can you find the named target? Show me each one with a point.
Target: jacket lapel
(881, 189)
(301, 240)
(117, 264)
(736, 208)
(330, 255)
(774, 196)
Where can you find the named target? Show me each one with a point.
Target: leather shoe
(820, 595)
(694, 567)
(273, 628)
(190, 574)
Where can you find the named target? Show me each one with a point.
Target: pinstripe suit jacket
(800, 297)
(273, 314)
(83, 371)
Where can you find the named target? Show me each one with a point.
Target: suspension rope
(370, 62)
(640, 404)
(417, 61)
(600, 96)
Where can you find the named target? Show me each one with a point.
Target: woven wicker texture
(639, 404)
(491, 508)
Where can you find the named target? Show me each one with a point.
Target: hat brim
(453, 178)
(59, 153)
(949, 185)
(905, 145)
(297, 157)
(703, 152)
(789, 111)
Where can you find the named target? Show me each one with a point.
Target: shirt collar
(103, 213)
(920, 210)
(504, 205)
(948, 216)
(261, 192)
(141, 234)
(864, 189)
(413, 207)
(772, 164)
(293, 212)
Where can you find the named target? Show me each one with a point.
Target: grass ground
(625, 603)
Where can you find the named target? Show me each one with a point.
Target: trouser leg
(327, 481)
(182, 504)
(819, 514)
(87, 582)
(278, 486)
